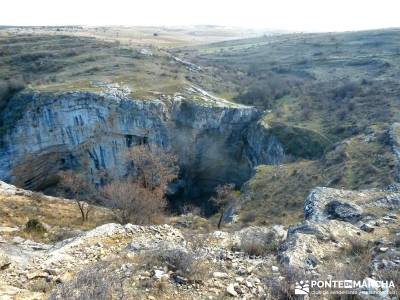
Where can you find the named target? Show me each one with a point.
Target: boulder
(343, 211)
(4, 261)
(335, 221)
(230, 289)
(220, 275)
(327, 203)
(367, 228)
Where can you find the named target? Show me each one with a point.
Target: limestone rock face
(81, 130)
(325, 203)
(335, 221)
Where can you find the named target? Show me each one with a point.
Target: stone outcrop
(216, 141)
(128, 248)
(191, 264)
(339, 229)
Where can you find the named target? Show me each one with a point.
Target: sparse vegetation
(259, 243)
(35, 226)
(276, 194)
(94, 282)
(327, 108)
(140, 198)
(76, 187)
(186, 264)
(391, 274)
(225, 197)
(16, 211)
(354, 262)
(132, 203)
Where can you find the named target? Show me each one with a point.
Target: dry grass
(277, 193)
(145, 35)
(94, 282)
(16, 211)
(391, 274)
(352, 262)
(125, 277)
(182, 263)
(259, 243)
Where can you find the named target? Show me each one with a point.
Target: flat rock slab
(8, 229)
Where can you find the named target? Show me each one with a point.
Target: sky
(292, 15)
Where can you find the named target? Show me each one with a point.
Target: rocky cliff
(216, 141)
(347, 235)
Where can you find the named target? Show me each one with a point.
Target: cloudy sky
(297, 15)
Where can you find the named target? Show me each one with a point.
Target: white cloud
(307, 15)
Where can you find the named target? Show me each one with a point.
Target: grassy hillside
(161, 36)
(59, 216)
(275, 194)
(331, 98)
(62, 62)
(335, 83)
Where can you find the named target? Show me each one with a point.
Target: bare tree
(153, 168)
(76, 187)
(225, 196)
(140, 198)
(133, 203)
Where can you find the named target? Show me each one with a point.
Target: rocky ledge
(138, 255)
(214, 139)
(346, 235)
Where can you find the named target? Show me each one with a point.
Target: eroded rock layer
(216, 141)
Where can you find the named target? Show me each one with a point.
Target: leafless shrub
(37, 197)
(347, 89)
(94, 282)
(248, 216)
(133, 203)
(196, 241)
(63, 234)
(357, 247)
(152, 167)
(278, 289)
(283, 289)
(140, 198)
(258, 243)
(181, 262)
(76, 187)
(9, 87)
(191, 209)
(225, 196)
(354, 262)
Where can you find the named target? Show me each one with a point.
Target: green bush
(34, 225)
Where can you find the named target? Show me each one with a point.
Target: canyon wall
(216, 141)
